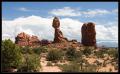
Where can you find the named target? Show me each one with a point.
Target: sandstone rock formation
(24, 39)
(58, 36)
(45, 42)
(88, 34)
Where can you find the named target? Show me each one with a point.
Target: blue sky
(25, 16)
(42, 8)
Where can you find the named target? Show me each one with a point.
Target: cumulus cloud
(107, 33)
(68, 11)
(42, 27)
(92, 13)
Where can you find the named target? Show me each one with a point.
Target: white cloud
(95, 12)
(115, 10)
(107, 33)
(23, 9)
(42, 27)
(66, 11)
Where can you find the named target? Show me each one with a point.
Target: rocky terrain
(24, 39)
(76, 56)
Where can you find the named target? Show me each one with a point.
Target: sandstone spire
(88, 34)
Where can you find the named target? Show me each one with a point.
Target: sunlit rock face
(24, 39)
(88, 34)
(58, 36)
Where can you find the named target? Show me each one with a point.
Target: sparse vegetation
(27, 59)
(54, 54)
(31, 63)
(11, 55)
(72, 54)
(39, 50)
(49, 63)
(113, 53)
(26, 49)
(87, 51)
(72, 67)
(89, 68)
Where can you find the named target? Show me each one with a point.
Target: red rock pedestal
(58, 36)
(88, 34)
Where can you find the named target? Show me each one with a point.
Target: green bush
(81, 62)
(37, 50)
(72, 54)
(54, 54)
(87, 51)
(11, 55)
(113, 53)
(27, 49)
(100, 53)
(41, 49)
(72, 67)
(89, 68)
(49, 63)
(31, 63)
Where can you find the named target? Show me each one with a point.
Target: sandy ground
(107, 68)
(102, 69)
(46, 68)
(91, 60)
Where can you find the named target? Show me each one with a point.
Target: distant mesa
(88, 34)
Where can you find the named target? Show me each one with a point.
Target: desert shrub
(43, 49)
(31, 63)
(72, 67)
(100, 53)
(54, 54)
(81, 62)
(71, 54)
(113, 53)
(98, 63)
(87, 51)
(11, 55)
(27, 49)
(104, 64)
(89, 68)
(49, 63)
(39, 50)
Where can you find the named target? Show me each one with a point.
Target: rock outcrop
(58, 36)
(45, 42)
(88, 34)
(24, 39)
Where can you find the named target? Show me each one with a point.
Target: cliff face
(88, 34)
(58, 36)
(24, 39)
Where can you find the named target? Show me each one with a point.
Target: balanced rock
(58, 36)
(88, 34)
(24, 39)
